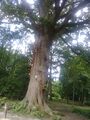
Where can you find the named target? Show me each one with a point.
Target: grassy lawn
(63, 107)
(85, 111)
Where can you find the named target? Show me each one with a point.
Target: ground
(16, 117)
(61, 109)
(68, 115)
(65, 111)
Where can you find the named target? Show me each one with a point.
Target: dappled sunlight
(80, 12)
(30, 1)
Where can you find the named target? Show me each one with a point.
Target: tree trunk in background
(82, 95)
(67, 100)
(50, 89)
(38, 75)
(73, 93)
(50, 79)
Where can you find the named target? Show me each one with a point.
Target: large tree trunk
(38, 74)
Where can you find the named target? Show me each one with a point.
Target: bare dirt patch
(15, 117)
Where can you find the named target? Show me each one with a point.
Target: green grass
(19, 108)
(85, 111)
(63, 107)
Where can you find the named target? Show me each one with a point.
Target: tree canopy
(53, 15)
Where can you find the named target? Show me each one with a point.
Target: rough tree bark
(38, 73)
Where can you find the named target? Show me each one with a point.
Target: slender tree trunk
(73, 93)
(38, 74)
(67, 99)
(50, 78)
(82, 96)
(50, 88)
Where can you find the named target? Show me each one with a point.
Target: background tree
(14, 74)
(75, 79)
(13, 66)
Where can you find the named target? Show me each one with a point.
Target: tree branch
(72, 24)
(72, 11)
(78, 50)
(58, 8)
(22, 11)
(72, 27)
(72, 49)
(32, 16)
